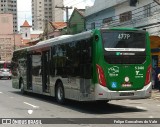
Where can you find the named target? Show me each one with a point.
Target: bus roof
(54, 39)
(61, 40)
(122, 28)
(58, 40)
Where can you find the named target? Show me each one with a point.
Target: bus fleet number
(124, 36)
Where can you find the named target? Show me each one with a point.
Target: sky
(24, 8)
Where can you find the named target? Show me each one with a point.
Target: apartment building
(6, 36)
(44, 11)
(10, 7)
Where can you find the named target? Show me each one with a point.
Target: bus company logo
(113, 70)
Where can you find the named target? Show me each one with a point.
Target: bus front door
(45, 71)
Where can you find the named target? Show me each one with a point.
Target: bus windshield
(122, 47)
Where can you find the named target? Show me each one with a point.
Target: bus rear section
(124, 65)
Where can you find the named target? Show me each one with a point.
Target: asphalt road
(15, 105)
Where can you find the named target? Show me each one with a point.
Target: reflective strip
(125, 49)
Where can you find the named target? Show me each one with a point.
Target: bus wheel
(22, 87)
(60, 93)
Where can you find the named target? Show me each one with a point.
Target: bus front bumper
(103, 93)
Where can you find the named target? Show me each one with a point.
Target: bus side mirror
(96, 37)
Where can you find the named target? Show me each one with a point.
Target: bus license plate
(127, 94)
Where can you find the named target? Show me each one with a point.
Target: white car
(5, 73)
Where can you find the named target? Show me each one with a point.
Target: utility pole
(46, 26)
(66, 8)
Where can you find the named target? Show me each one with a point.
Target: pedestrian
(153, 78)
(159, 81)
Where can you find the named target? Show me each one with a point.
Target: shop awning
(155, 41)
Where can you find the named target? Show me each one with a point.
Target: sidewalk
(155, 95)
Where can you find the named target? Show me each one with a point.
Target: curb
(155, 95)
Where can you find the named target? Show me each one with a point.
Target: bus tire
(22, 86)
(60, 98)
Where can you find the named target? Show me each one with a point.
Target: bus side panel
(15, 75)
(72, 64)
(15, 83)
(18, 67)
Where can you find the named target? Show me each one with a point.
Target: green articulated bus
(97, 65)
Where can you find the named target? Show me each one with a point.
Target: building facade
(6, 36)
(143, 14)
(27, 35)
(10, 6)
(10, 41)
(44, 11)
(76, 23)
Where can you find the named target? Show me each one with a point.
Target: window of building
(26, 35)
(147, 10)
(107, 20)
(126, 16)
(93, 25)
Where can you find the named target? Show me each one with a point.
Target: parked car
(5, 73)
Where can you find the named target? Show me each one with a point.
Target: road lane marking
(1, 92)
(158, 105)
(31, 105)
(30, 111)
